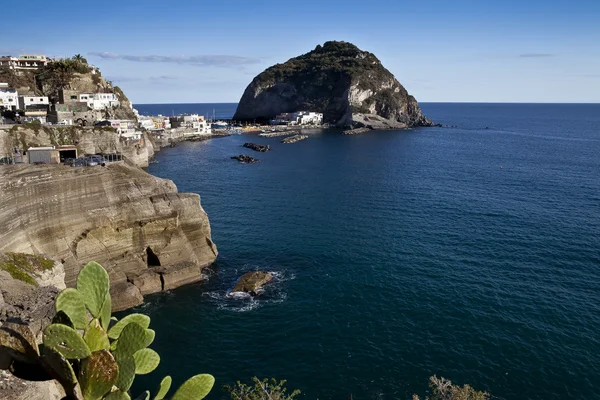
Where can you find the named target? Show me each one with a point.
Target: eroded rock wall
(120, 216)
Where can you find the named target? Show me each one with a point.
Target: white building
(298, 118)
(146, 122)
(9, 98)
(102, 101)
(24, 61)
(32, 101)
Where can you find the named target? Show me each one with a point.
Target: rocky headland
(148, 236)
(349, 86)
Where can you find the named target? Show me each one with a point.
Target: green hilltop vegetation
(61, 74)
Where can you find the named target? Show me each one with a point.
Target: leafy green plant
(265, 389)
(91, 354)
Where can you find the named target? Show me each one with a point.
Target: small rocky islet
(257, 147)
(244, 159)
(252, 283)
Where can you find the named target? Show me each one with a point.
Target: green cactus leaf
(66, 341)
(144, 396)
(97, 374)
(93, 284)
(195, 388)
(142, 320)
(96, 337)
(146, 361)
(149, 337)
(126, 365)
(60, 369)
(105, 312)
(131, 340)
(113, 345)
(62, 318)
(19, 341)
(163, 389)
(118, 395)
(71, 302)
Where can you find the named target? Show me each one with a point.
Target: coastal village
(72, 107)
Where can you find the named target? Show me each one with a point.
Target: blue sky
(208, 51)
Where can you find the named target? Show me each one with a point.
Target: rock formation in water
(349, 86)
(252, 282)
(136, 225)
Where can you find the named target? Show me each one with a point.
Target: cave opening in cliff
(152, 259)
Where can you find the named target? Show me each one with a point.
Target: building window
(73, 97)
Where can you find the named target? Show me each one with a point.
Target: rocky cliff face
(87, 141)
(147, 235)
(349, 86)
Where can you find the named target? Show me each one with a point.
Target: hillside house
(9, 98)
(24, 62)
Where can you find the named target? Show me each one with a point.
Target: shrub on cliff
(92, 355)
(444, 389)
(265, 389)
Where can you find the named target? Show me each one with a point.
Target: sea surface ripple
(470, 252)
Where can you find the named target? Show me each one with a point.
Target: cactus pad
(95, 337)
(149, 337)
(97, 374)
(126, 372)
(141, 319)
(146, 361)
(131, 340)
(164, 387)
(195, 388)
(66, 341)
(19, 340)
(93, 284)
(71, 302)
(105, 312)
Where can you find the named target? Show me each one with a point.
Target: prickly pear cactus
(70, 301)
(66, 341)
(88, 357)
(98, 373)
(94, 285)
(163, 389)
(195, 388)
(142, 320)
(146, 361)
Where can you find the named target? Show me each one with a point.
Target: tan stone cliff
(87, 141)
(147, 235)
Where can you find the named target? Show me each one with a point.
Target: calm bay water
(466, 252)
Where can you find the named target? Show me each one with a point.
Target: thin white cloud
(535, 55)
(197, 60)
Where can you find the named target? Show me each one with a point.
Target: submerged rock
(252, 282)
(257, 147)
(349, 86)
(245, 159)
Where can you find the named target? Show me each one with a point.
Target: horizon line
(420, 102)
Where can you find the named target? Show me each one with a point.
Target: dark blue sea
(470, 251)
